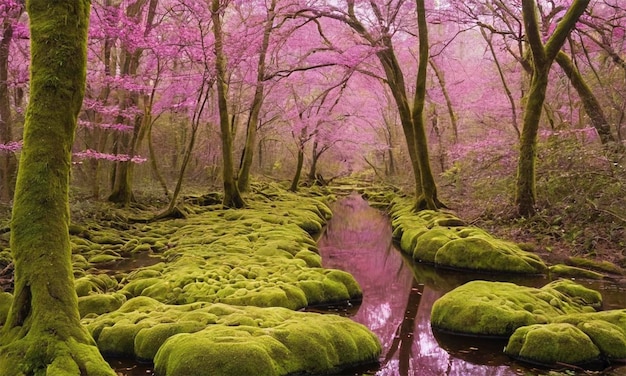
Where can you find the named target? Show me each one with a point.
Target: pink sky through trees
(309, 57)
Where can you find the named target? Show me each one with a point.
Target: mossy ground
(206, 275)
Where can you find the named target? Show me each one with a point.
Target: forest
(196, 187)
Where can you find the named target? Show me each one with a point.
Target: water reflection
(398, 297)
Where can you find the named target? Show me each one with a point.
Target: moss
(575, 272)
(601, 266)
(445, 240)
(200, 338)
(487, 254)
(551, 344)
(499, 308)
(6, 299)
(102, 258)
(99, 303)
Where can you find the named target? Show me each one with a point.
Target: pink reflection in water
(395, 306)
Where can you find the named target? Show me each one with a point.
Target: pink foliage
(11, 147)
(92, 154)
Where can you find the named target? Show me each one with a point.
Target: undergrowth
(581, 205)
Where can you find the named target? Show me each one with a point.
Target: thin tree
(232, 196)
(542, 58)
(43, 334)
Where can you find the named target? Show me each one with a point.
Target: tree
(386, 18)
(43, 334)
(232, 196)
(542, 58)
(10, 11)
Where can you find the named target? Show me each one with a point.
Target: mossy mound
(446, 241)
(263, 256)
(219, 339)
(499, 308)
(552, 343)
(574, 272)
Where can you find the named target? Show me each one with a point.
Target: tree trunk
(43, 334)
(428, 197)
(296, 177)
(232, 196)
(243, 181)
(590, 103)
(446, 96)
(7, 159)
(526, 195)
(542, 58)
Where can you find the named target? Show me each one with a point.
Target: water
(398, 296)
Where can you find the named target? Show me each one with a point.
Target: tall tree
(543, 56)
(232, 196)
(387, 15)
(257, 102)
(43, 334)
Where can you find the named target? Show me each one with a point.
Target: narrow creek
(397, 299)
(398, 296)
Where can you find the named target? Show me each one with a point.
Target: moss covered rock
(220, 339)
(446, 241)
(552, 343)
(499, 308)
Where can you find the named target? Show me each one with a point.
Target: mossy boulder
(220, 339)
(499, 308)
(446, 241)
(551, 344)
(99, 303)
(574, 272)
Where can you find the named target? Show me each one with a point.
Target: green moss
(601, 266)
(551, 344)
(99, 303)
(499, 308)
(6, 300)
(102, 258)
(183, 336)
(575, 272)
(445, 240)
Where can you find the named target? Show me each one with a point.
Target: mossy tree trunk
(43, 334)
(542, 58)
(296, 177)
(590, 102)
(243, 180)
(232, 196)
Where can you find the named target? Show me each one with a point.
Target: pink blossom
(88, 153)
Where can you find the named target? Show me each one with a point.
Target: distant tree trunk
(43, 334)
(122, 192)
(590, 103)
(442, 84)
(232, 196)
(507, 91)
(296, 178)
(7, 159)
(542, 58)
(315, 154)
(243, 180)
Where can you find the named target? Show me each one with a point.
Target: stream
(398, 296)
(397, 299)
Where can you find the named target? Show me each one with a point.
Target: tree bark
(43, 334)
(296, 178)
(243, 181)
(542, 58)
(589, 101)
(232, 196)
(7, 159)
